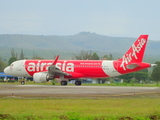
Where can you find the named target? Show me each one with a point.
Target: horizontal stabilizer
(132, 66)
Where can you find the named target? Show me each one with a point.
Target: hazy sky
(119, 18)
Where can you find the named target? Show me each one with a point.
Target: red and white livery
(44, 70)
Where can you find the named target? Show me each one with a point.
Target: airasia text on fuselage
(43, 66)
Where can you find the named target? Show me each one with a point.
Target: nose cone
(6, 70)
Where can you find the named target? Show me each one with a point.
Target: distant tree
(13, 54)
(155, 76)
(21, 57)
(83, 55)
(126, 77)
(35, 56)
(95, 56)
(139, 75)
(2, 65)
(12, 59)
(110, 56)
(106, 57)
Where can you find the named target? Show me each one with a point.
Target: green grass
(79, 109)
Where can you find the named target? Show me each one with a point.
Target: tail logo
(132, 53)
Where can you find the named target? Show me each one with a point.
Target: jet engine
(41, 77)
(53, 71)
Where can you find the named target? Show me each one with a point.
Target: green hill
(50, 46)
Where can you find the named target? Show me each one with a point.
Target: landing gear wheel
(63, 83)
(23, 82)
(78, 82)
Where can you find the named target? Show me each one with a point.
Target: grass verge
(80, 109)
(84, 84)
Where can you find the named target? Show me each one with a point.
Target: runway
(51, 91)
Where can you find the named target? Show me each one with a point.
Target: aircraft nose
(6, 70)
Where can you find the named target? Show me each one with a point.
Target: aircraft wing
(58, 73)
(66, 74)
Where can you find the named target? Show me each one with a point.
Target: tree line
(89, 55)
(14, 57)
(134, 77)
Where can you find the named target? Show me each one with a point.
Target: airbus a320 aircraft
(44, 70)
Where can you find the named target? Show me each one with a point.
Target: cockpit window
(11, 65)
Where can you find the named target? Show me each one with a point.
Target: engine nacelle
(41, 77)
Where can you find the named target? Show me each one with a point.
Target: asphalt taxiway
(53, 91)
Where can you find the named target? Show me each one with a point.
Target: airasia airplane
(44, 70)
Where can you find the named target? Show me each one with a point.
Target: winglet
(55, 61)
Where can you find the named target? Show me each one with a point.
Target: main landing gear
(63, 83)
(77, 83)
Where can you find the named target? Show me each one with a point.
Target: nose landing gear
(23, 82)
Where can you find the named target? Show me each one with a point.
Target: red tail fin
(135, 53)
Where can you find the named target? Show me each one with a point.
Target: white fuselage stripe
(109, 69)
